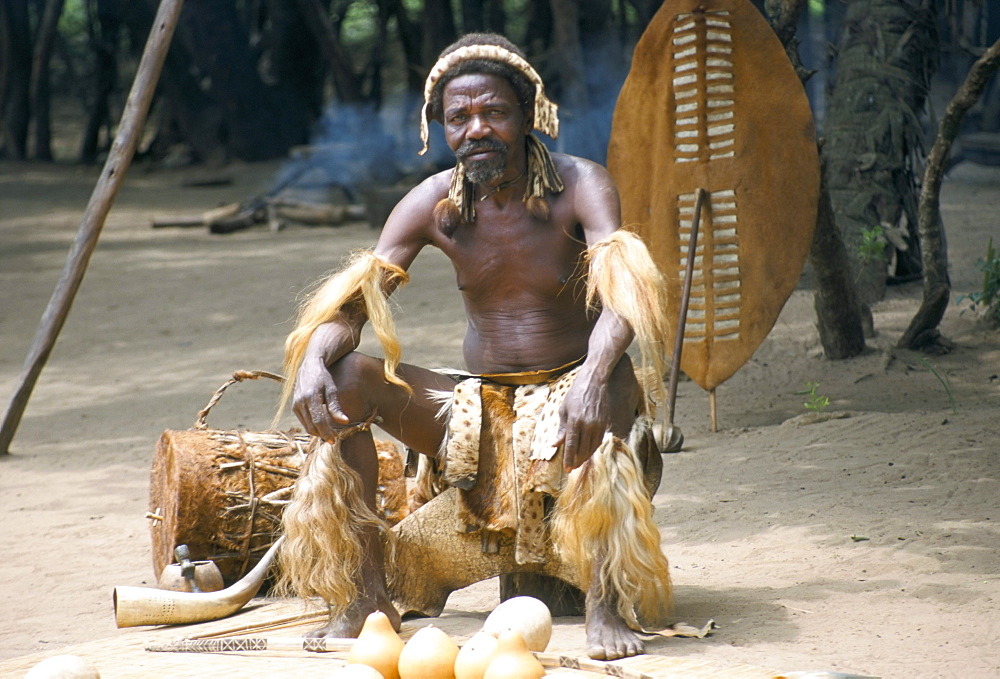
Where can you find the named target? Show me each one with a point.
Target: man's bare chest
(534, 259)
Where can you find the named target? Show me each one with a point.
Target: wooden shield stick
(122, 150)
(675, 366)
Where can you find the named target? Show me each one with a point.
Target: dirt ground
(866, 542)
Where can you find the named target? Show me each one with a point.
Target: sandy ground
(866, 542)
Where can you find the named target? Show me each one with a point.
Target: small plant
(815, 402)
(872, 244)
(986, 301)
(944, 383)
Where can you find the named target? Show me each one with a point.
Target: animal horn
(149, 606)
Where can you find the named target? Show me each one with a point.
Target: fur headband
(546, 112)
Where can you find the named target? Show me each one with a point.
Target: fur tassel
(604, 511)
(539, 208)
(323, 555)
(448, 216)
(365, 279)
(624, 279)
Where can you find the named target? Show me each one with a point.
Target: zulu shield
(712, 102)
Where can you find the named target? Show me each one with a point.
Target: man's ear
(529, 121)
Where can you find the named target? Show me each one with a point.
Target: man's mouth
(479, 150)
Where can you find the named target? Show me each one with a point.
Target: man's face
(483, 124)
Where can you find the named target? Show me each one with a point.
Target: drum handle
(238, 376)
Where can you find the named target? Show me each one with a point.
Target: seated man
(554, 293)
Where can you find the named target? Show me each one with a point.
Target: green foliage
(816, 402)
(986, 300)
(360, 27)
(872, 243)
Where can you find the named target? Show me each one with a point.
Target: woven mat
(125, 655)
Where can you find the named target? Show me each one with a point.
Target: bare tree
(922, 333)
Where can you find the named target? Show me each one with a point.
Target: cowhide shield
(712, 102)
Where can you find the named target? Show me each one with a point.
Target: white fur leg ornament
(604, 518)
(323, 552)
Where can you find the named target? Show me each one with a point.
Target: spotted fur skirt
(499, 452)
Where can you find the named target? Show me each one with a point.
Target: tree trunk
(922, 332)
(105, 33)
(4, 63)
(888, 51)
(438, 23)
(567, 83)
(839, 316)
(17, 78)
(473, 16)
(40, 78)
(344, 78)
(409, 37)
(539, 34)
(256, 124)
(188, 113)
(296, 64)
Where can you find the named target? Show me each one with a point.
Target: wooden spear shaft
(675, 367)
(122, 151)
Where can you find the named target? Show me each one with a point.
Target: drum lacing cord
(252, 501)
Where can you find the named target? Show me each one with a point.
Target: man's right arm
(315, 399)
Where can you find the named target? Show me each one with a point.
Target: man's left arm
(586, 411)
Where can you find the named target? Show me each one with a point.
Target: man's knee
(356, 376)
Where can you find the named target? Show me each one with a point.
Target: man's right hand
(315, 400)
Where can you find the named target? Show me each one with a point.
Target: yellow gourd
(357, 671)
(378, 646)
(513, 660)
(429, 654)
(475, 656)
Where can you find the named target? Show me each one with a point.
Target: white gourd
(527, 616)
(64, 667)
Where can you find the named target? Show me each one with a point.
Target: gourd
(527, 616)
(475, 656)
(378, 646)
(429, 654)
(513, 659)
(357, 671)
(64, 667)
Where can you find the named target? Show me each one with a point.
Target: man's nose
(478, 127)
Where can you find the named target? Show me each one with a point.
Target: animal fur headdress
(459, 207)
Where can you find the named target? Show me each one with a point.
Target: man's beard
(488, 169)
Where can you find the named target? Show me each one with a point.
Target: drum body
(222, 493)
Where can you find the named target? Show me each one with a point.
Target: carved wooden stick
(122, 151)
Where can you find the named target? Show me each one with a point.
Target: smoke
(356, 148)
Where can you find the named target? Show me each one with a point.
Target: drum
(222, 492)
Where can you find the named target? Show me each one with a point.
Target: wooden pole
(674, 438)
(713, 413)
(129, 130)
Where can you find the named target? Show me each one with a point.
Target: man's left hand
(585, 416)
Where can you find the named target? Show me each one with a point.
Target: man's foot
(348, 625)
(608, 637)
